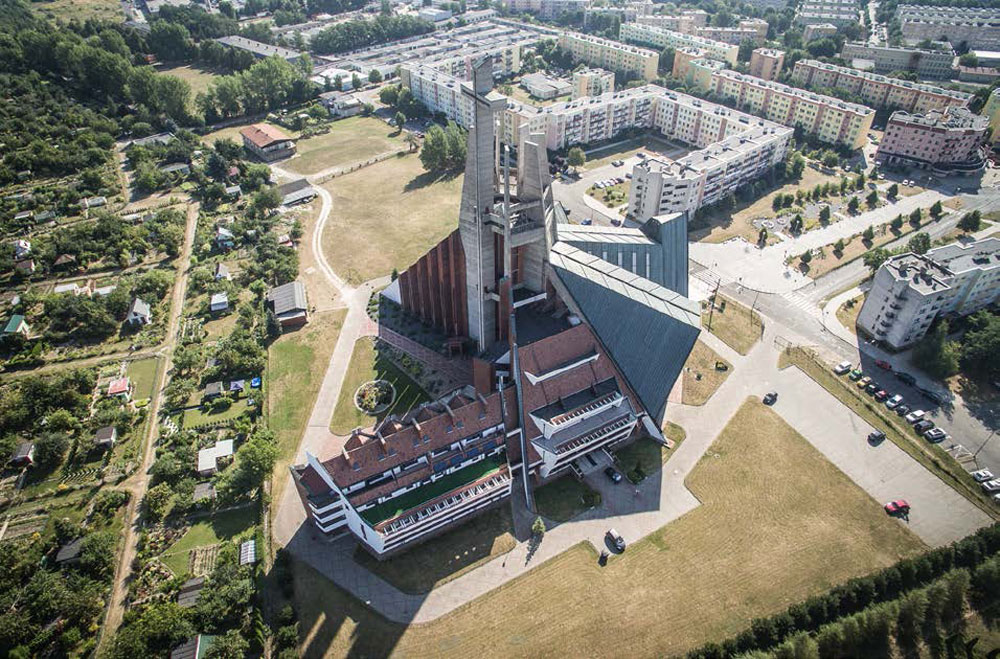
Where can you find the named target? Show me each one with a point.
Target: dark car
(923, 426)
(770, 397)
(873, 387)
(902, 410)
(934, 396)
(875, 438)
(616, 540)
(883, 364)
(905, 377)
(613, 475)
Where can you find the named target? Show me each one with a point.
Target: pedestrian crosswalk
(707, 276)
(802, 303)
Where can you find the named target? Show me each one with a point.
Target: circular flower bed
(374, 396)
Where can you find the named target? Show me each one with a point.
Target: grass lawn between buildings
(847, 313)
(738, 327)
(565, 498)
(352, 140)
(702, 375)
(208, 531)
(143, 374)
(758, 543)
(388, 215)
(366, 365)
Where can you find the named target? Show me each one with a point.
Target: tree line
(362, 33)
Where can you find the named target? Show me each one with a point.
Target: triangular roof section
(647, 329)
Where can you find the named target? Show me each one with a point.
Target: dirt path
(139, 481)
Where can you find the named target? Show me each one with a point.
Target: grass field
(847, 313)
(736, 325)
(772, 507)
(208, 531)
(143, 375)
(197, 77)
(349, 141)
(197, 416)
(387, 216)
(563, 499)
(365, 365)
(447, 556)
(701, 377)
(65, 10)
(297, 362)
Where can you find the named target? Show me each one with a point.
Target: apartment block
(548, 9)
(828, 119)
(650, 35)
(976, 27)
(935, 63)
(833, 12)
(817, 31)
(439, 91)
(750, 29)
(682, 61)
(613, 55)
(876, 90)
(685, 20)
(946, 141)
(766, 63)
(910, 290)
(592, 82)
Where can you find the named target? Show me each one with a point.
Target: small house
(106, 437)
(120, 388)
(224, 239)
(93, 202)
(24, 455)
(22, 248)
(139, 313)
(212, 390)
(233, 171)
(203, 492)
(24, 216)
(45, 216)
(237, 386)
(190, 592)
(105, 291)
(16, 325)
(267, 142)
(208, 458)
(70, 288)
(64, 260)
(295, 192)
(288, 302)
(222, 272)
(234, 191)
(218, 303)
(248, 552)
(69, 553)
(195, 647)
(181, 168)
(286, 241)
(25, 267)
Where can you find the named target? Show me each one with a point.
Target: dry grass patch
(387, 216)
(349, 141)
(847, 313)
(200, 79)
(702, 375)
(65, 10)
(772, 510)
(854, 248)
(737, 326)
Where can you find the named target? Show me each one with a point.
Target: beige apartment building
(650, 35)
(612, 55)
(877, 90)
(592, 82)
(686, 20)
(945, 142)
(766, 63)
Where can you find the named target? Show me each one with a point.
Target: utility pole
(711, 308)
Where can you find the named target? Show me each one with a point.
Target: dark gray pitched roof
(647, 329)
(70, 551)
(287, 297)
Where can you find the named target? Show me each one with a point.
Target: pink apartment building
(946, 142)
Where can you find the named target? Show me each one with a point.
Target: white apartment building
(661, 38)
(834, 12)
(752, 29)
(766, 63)
(925, 63)
(440, 92)
(909, 291)
(613, 55)
(592, 82)
(817, 31)
(876, 90)
(946, 142)
(977, 27)
(685, 20)
(547, 9)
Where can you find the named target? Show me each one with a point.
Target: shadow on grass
(430, 178)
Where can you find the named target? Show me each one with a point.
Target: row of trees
(267, 85)
(362, 33)
(976, 352)
(444, 148)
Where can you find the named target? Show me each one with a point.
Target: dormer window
(356, 466)
(449, 428)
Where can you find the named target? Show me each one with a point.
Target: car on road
(628, 174)
(935, 435)
(863, 382)
(902, 410)
(872, 387)
(876, 437)
(842, 367)
(881, 395)
(616, 539)
(587, 222)
(617, 163)
(906, 377)
(640, 155)
(883, 364)
(613, 475)
(923, 425)
(982, 475)
(856, 374)
(770, 398)
(894, 401)
(991, 486)
(940, 399)
(898, 507)
(915, 416)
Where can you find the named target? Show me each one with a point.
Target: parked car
(881, 395)
(982, 475)
(940, 399)
(884, 365)
(640, 155)
(875, 438)
(923, 425)
(587, 222)
(991, 486)
(894, 401)
(617, 163)
(628, 174)
(856, 374)
(842, 367)
(770, 398)
(914, 416)
(613, 475)
(935, 435)
(617, 541)
(905, 377)
(863, 382)
(872, 387)
(897, 507)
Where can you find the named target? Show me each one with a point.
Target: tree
(897, 223)
(868, 234)
(874, 258)
(852, 205)
(576, 157)
(434, 155)
(374, 76)
(981, 344)
(919, 243)
(969, 59)
(824, 215)
(538, 527)
(936, 354)
(399, 119)
(806, 257)
(830, 159)
(97, 555)
(970, 222)
(157, 501)
(838, 247)
(936, 210)
(915, 216)
(155, 631)
(230, 645)
(50, 449)
(777, 202)
(355, 81)
(796, 164)
(872, 199)
(745, 51)
(893, 191)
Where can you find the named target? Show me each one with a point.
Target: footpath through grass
(704, 372)
(738, 327)
(772, 508)
(931, 456)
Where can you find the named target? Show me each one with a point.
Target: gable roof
(647, 329)
(70, 551)
(288, 297)
(14, 324)
(263, 135)
(138, 307)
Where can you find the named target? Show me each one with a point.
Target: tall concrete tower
(481, 207)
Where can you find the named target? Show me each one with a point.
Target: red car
(897, 507)
(881, 395)
(881, 363)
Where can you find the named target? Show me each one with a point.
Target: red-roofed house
(120, 388)
(267, 142)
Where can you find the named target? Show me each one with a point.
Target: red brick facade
(433, 288)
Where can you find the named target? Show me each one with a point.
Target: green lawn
(81, 10)
(199, 416)
(564, 498)
(646, 453)
(365, 365)
(205, 532)
(143, 374)
(200, 79)
(349, 141)
(736, 325)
